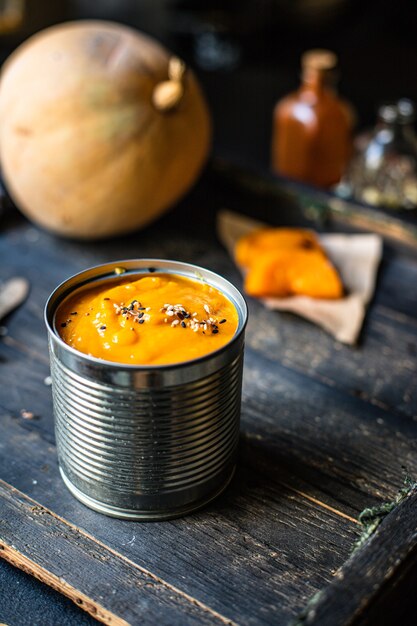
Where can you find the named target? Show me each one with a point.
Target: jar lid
(321, 60)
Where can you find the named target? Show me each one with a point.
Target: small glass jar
(384, 170)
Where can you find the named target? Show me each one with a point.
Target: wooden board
(326, 431)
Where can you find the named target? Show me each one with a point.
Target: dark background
(246, 53)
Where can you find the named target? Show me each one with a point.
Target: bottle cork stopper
(321, 60)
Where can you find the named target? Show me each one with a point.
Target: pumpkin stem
(176, 69)
(168, 94)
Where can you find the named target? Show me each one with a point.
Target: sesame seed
(206, 308)
(183, 324)
(214, 331)
(74, 313)
(175, 323)
(103, 327)
(141, 321)
(222, 321)
(106, 298)
(63, 324)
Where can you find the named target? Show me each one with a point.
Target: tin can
(146, 442)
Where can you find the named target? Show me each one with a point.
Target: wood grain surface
(326, 431)
(367, 576)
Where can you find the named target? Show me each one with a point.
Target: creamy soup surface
(157, 319)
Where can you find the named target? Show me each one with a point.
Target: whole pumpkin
(101, 130)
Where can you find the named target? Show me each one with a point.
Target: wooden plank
(255, 555)
(388, 556)
(330, 440)
(387, 337)
(343, 444)
(100, 581)
(398, 226)
(314, 450)
(380, 370)
(297, 345)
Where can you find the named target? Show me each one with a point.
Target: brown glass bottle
(312, 127)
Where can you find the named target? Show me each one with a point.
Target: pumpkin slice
(293, 272)
(249, 247)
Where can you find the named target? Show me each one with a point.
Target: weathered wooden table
(327, 430)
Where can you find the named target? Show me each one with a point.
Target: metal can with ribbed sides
(146, 442)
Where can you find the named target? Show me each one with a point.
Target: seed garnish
(180, 314)
(134, 311)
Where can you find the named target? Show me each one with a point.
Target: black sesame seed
(183, 324)
(141, 308)
(141, 321)
(180, 315)
(63, 324)
(187, 315)
(141, 315)
(74, 313)
(215, 331)
(103, 327)
(106, 298)
(222, 321)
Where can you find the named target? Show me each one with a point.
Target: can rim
(51, 307)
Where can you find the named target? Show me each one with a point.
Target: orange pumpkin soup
(153, 320)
